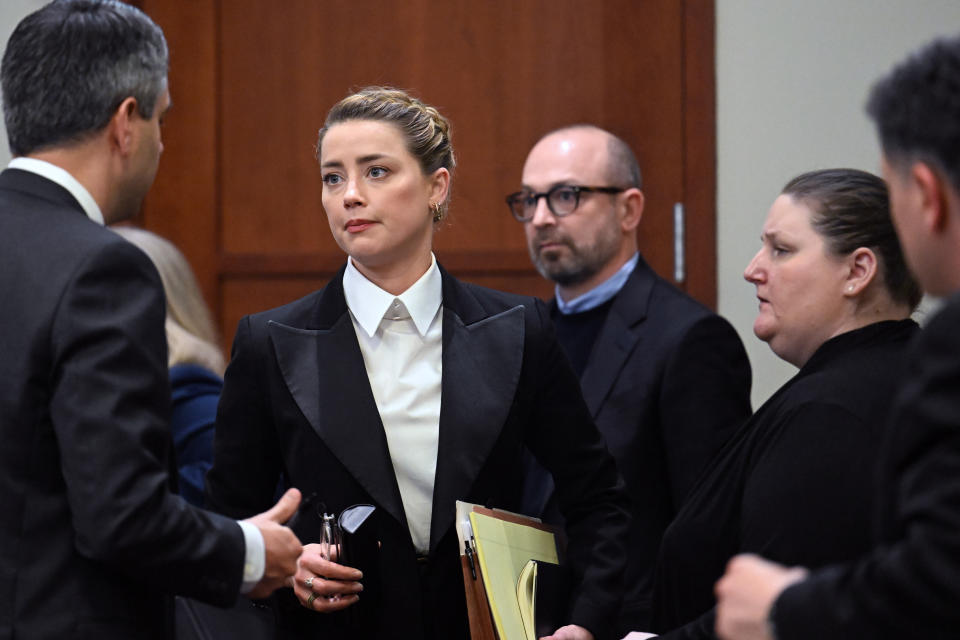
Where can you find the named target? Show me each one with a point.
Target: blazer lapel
(482, 358)
(618, 338)
(324, 371)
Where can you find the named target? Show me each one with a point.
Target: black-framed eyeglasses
(562, 200)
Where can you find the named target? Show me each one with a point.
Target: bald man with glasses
(666, 379)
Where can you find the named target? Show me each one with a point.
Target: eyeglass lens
(561, 200)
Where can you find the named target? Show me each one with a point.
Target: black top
(795, 484)
(908, 586)
(577, 332)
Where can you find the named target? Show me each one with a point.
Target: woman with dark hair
(796, 483)
(398, 386)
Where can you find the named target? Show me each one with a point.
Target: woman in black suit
(796, 483)
(399, 386)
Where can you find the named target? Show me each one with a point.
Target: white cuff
(255, 561)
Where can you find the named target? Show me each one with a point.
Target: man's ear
(120, 129)
(933, 196)
(632, 202)
(862, 270)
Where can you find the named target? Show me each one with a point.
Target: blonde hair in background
(191, 337)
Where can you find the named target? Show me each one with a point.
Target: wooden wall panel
(504, 76)
(252, 80)
(700, 151)
(182, 205)
(238, 291)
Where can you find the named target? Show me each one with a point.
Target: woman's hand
(323, 585)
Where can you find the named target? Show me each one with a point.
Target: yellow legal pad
(504, 548)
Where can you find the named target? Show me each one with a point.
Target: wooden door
(239, 190)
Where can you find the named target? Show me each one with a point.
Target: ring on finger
(308, 583)
(310, 600)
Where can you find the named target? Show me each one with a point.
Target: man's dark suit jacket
(297, 401)
(909, 586)
(667, 382)
(90, 534)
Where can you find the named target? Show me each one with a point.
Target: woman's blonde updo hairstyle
(426, 131)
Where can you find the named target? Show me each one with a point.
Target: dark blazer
(908, 586)
(90, 535)
(794, 484)
(297, 401)
(667, 382)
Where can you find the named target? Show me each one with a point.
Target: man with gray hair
(666, 379)
(91, 536)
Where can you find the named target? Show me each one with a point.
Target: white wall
(11, 12)
(792, 79)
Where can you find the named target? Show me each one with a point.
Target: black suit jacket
(90, 534)
(909, 586)
(297, 401)
(667, 382)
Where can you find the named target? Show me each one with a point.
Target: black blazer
(908, 586)
(795, 484)
(667, 382)
(297, 402)
(90, 534)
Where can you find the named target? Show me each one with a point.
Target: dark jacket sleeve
(908, 586)
(705, 397)
(246, 466)
(110, 408)
(590, 491)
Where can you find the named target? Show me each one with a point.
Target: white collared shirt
(401, 341)
(63, 178)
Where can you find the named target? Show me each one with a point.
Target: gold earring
(437, 211)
